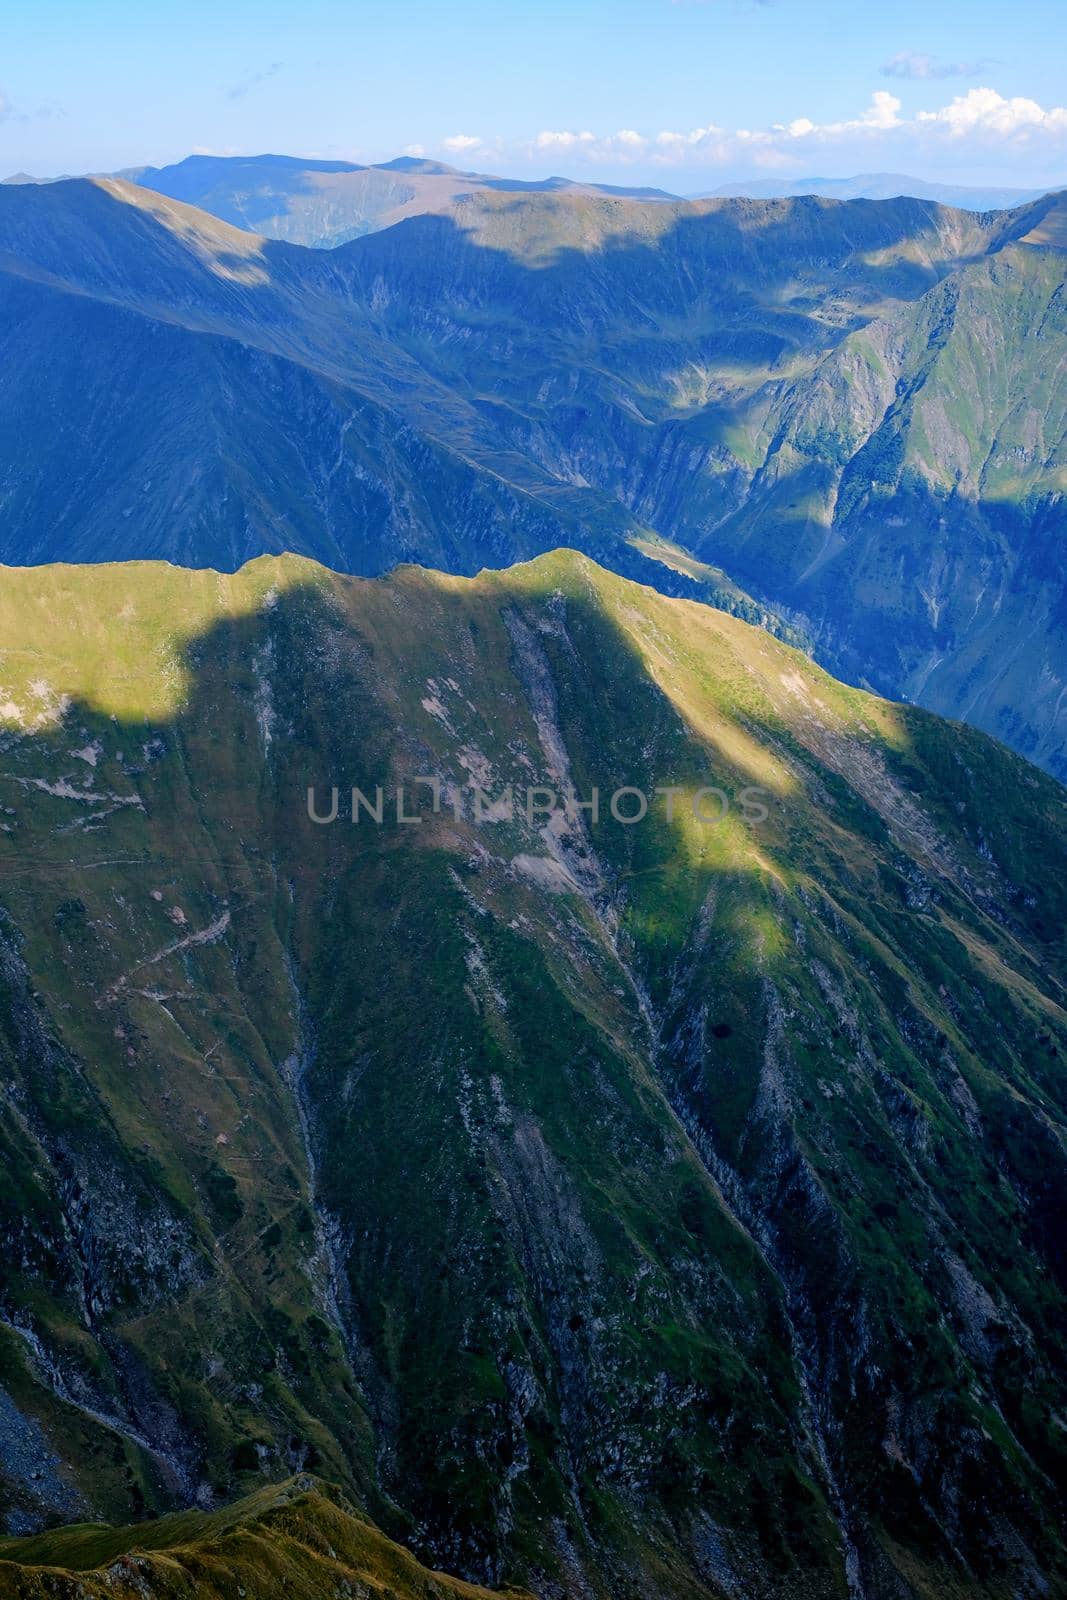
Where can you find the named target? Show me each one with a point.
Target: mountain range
(621, 1147)
(878, 186)
(325, 203)
(843, 418)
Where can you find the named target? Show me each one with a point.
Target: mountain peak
(421, 164)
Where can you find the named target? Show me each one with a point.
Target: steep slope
(909, 500)
(212, 395)
(615, 1209)
(366, 407)
(301, 1537)
(883, 460)
(852, 409)
(872, 444)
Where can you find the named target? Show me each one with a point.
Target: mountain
(877, 186)
(242, 403)
(940, 498)
(672, 370)
(300, 1535)
(609, 1208)
(851, 409)
(325, 203)
(247, 395)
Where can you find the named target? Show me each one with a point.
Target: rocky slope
(853, 409)
(661, 1208)
(857, 411)
(906, 502)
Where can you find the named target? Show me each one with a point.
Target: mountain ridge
(322, 203)
(299, 1533)
(718, 375)
(228, 184)
(707, 1172)
(884, 186)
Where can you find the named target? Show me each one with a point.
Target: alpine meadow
(533, 723)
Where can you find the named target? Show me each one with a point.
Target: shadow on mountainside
(585, 1198)
(303, 420)
(435, 394)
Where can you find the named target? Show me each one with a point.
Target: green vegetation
(844, 421)
(670, 1206)
(299, 1537)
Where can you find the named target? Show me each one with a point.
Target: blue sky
(682, 93)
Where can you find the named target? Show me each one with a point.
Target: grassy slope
(682, 1199)
(299, 1537)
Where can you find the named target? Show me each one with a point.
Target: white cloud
(416, 150)
(562, 140)
(911, 64)
(984, 111)
(881, 115)
(981, 119)
(626, 145)
(460, 142)
(695, 136)
(712, 143)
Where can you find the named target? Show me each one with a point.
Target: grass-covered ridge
(299, 1537)
(663, 1206)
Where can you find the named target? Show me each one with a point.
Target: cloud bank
(980, 123)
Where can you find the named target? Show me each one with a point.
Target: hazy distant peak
(435, 169)
(271, 162)
(876, 186)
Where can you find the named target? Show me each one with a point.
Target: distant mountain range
(878, 186)
(853, 409)
(326, 203)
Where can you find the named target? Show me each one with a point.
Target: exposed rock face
(667, 1207)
